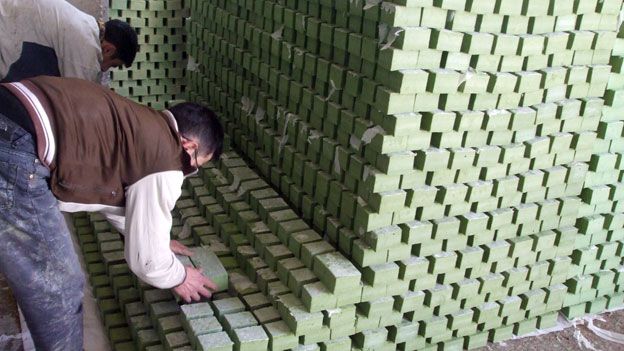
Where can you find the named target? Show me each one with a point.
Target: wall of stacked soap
(597, 281)
(442, 147)
(157, 75)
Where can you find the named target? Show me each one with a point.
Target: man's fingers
(195, 296)
(204, 292)
(210, 284)
(186, 298)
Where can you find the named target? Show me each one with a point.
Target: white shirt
(55, 24)
(146, 224)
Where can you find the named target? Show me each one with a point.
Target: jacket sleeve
(148, 223)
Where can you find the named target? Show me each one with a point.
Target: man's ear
(189, 145)
(108, 49)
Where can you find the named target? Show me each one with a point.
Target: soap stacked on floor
(441, 146)
(157, 75)
(138, 316)
(597, 281)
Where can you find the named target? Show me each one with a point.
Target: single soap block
(336, 272)
(250, 338)
(215, 342)
(211, 266)
(239, 320)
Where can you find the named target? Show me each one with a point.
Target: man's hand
(195, 285)
(180, 249)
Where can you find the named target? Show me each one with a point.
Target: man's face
(201, 160)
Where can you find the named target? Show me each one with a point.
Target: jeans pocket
(8, 177)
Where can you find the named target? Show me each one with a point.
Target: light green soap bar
(211, 266)
(215, 342)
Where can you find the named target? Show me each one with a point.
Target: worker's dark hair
(120, 34)
(198, 121)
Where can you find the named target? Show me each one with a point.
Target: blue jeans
(36, 252)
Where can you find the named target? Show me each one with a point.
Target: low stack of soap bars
(597, 276)
(157, 75)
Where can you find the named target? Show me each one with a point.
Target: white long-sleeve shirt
(145, 223)
(34, 31)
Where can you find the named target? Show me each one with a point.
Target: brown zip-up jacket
(95, 142)
(109, 154)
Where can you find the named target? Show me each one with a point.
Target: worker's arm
(148, 223)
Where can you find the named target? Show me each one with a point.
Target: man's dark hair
(120, 34)
(200, 122)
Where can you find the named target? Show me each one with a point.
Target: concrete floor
(10, 331)
(575, 336)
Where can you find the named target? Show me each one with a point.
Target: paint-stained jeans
(36, 252)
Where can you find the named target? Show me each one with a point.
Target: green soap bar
(274, 253)
(479, 190)
(445, 228)
(383, 238)
(298, 278)
(204, 258)
(465, 289)
(316, 297)
(311, 249)
(407, 81)
(336, 344)
(501, 333)
(402, 124)
(413, 38)
(421, 196)
(295, 316)
(147, 337)
(280, 336)
(286, 265)
(469, 257)
(226, 306)
(370, 338)
(491, 282)
(336, 272)
(410, 301)
(163, 309)
(200, 326)
(275, 217)
(476, 43)
(433, 326)
(462, 158)
(449, 194)
(287, 228)
(442, 262)
(390, 201)
(237, 320)
(169, 324)
(496, 250)
(460, 319)
(473, 223)
(381, 274)
(416, 231)
(250, 338)
(219, 341)
(487, 311)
